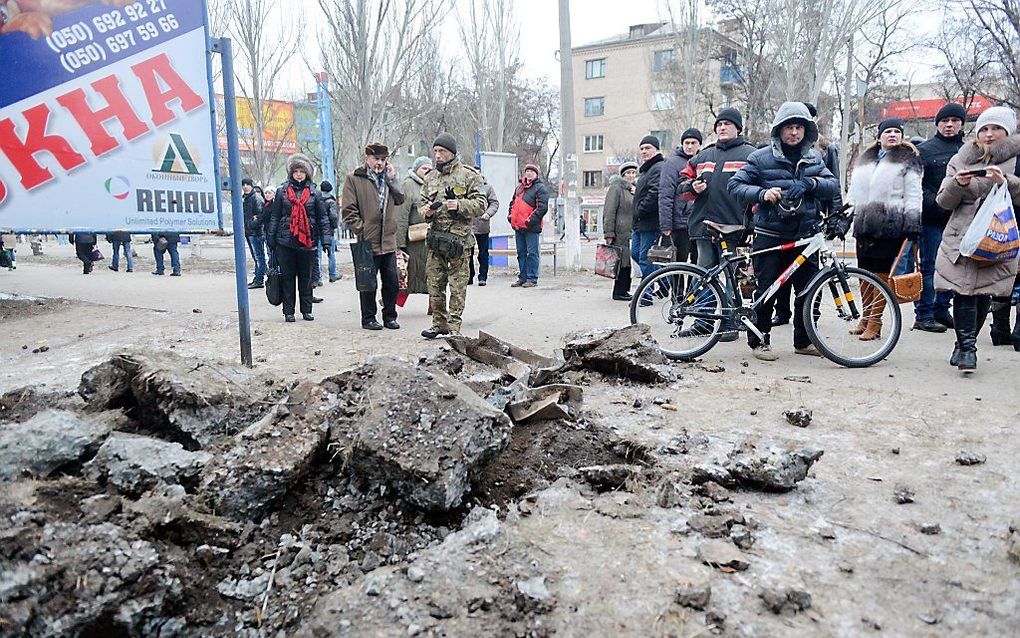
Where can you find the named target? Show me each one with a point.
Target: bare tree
(490, 34)
(999, 20)
(969, 69)
(378, 53)
(267, 40)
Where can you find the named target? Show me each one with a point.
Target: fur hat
(445, 140)
(300, 161)
(998, 115)
(951, 109)
(377, 149)
(729, 114)
(649, 139)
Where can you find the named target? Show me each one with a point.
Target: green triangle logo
(177, 151)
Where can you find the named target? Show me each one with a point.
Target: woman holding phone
(988, 160)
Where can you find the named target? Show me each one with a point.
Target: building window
(593, 143)
(661, 59)
(663, 101)
(593, 179)
(665, 139)
(594, 69)
(594, 106)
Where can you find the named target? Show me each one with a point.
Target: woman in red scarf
(297, 220)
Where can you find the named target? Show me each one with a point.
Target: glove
(799, 188)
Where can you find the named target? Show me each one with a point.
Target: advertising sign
(279, 128)
(105, 117)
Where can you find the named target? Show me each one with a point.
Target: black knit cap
(445, 140)
(649, 139)
(326, 187)
(888, 123)
(692, 132)
(811, 108)
(247, 181)
(730, 114)
(951, 109)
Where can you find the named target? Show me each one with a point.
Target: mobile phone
(977, 172)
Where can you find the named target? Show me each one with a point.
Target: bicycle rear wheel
(683, 309)
(831, 327)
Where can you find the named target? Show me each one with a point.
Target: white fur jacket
(887, 194)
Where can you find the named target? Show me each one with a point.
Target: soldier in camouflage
(452, 196)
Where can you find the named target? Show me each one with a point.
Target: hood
(616, 180)
(790, 111)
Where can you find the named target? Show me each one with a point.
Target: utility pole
(568, 175)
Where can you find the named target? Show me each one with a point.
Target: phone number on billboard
(87, 42)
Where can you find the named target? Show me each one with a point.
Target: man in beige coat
(370, 194)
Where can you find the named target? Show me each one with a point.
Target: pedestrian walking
(411, 229)
(297, 221)
(932, 312)
(785, 181)
(674, 209)
(370, 195)
(163, 243)
(996, 150)
(527, 208)
(885, 189)
(704, 182)
(254, 233)
(329, 244)
(480, 228)
(451, 197)
(646, 205)
(618, 223)
(120, 241)
(84, 244)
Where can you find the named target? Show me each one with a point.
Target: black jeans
(387, 267)
(767, 269)
(482, 239)
(684, 248)
(295, 268)
(84, 253)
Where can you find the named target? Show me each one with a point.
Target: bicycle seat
(724, 229)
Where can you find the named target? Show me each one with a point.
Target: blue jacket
(674, 210)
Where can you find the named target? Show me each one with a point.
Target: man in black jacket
(931, 312)
(252, 206)
(786, 182)
(675, 210)
(646, 203)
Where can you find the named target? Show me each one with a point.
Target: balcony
(730, 74)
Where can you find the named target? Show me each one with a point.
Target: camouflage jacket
(469, 188)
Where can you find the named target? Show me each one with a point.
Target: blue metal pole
(233, 182)
(325, 126)
(478, 148)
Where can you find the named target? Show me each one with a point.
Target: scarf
(299, 226)
(379, 179)
(522, 187)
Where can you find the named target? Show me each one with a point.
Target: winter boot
(865, 305)
(1000, 332)
(874, 311)
(969, 316)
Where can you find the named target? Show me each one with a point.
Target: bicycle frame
(728, 265)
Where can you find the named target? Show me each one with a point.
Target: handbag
(417, 232)
(364, 266)
(274, 285)
(661, 253)
(607, 260)
(906, 286)
(96, 255)
(992, 235)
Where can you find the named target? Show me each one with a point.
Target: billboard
(106, 117)
(279, 128)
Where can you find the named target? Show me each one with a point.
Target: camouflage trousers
(440, 272)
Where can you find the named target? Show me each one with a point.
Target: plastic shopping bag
(992, 237)
(607, 260)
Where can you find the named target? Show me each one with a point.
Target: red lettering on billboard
(91, 122)
(21, 152)
(149, 73)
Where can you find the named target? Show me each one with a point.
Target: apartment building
(626, 87)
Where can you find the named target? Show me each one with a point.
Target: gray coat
(480, 225)
(953, 271)
(618, 211)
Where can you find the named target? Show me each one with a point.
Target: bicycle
(689, 308)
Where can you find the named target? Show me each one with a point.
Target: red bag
(607, 260)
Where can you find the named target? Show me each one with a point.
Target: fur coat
(953, 271)
(887, 194)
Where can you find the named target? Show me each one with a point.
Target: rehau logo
(177, 158)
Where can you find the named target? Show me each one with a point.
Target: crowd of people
(902, 194)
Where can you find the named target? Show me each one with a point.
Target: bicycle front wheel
(682, 307)
(854, 342)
